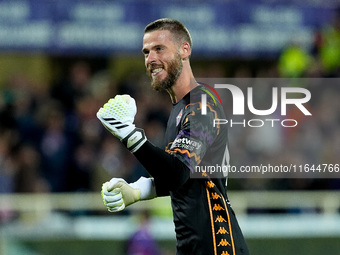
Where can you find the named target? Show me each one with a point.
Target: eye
(158, 49)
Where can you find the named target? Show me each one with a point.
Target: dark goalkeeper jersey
(205, 224)
(204, 221)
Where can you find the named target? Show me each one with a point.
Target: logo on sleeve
(186, 143)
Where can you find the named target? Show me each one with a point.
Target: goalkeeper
(204, 221)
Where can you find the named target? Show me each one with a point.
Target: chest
(174, 124)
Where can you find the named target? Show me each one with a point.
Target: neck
(183, 85)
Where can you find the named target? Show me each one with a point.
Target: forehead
(157, 37)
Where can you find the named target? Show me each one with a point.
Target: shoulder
(203, 99)
(201, 107)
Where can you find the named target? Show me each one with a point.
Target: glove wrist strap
(146, 187)
(134, 140)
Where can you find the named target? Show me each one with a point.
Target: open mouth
(156, 71)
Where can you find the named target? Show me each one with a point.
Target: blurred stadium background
(61, 60)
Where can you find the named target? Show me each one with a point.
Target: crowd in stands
(51, 140)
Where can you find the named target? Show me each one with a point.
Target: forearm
(167, 170)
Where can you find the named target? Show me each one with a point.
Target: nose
(150, 58)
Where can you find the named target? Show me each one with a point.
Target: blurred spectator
(294, 62)
(55, 146)
(28, 176)
(9, 137)
(142, 242)
(71, 151)
(68, 89)
(327, 46)
(51, 140)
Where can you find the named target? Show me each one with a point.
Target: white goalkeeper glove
(117, 193)
(117, 116)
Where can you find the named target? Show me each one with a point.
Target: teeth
(157, 70)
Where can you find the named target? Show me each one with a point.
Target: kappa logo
(222, 231)
(224, 242)
(204, 174)
(210, 184)
(220, 219)
(215, 196)
(217, 207)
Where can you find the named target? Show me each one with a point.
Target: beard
(174, 70)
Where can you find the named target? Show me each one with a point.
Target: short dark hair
(177, 29)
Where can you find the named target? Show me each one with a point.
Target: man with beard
(204, 221)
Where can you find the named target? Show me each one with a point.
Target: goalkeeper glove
(117, 116)
(117, 193)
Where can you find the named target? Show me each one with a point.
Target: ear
(185, 50)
